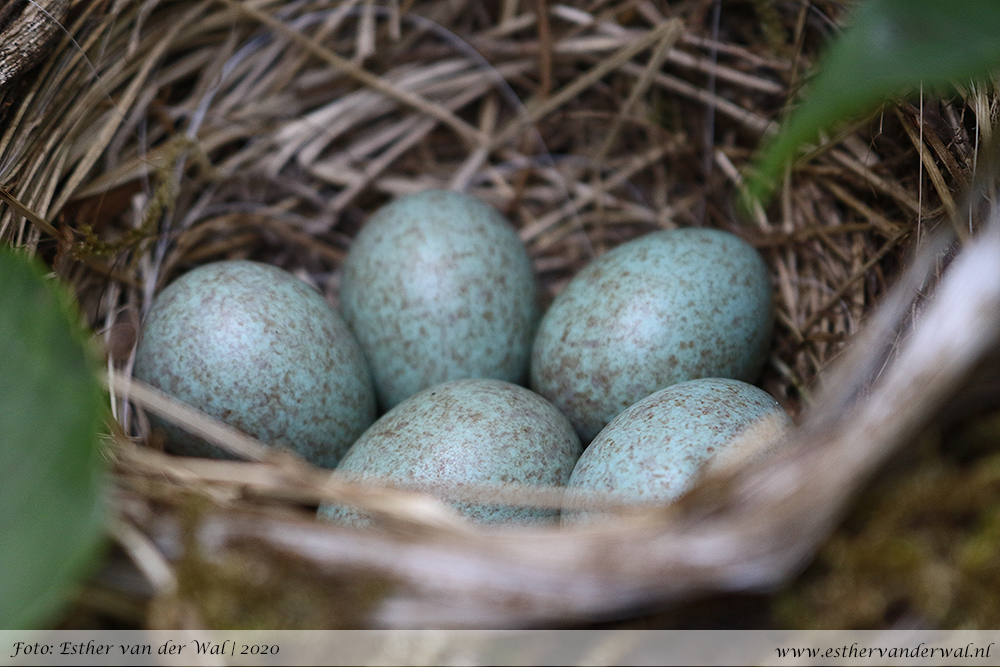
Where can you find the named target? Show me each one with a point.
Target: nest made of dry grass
(160, 135)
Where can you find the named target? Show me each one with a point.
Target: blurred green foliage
(890, 48)
(51, 414)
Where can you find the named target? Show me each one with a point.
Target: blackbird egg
(653, 451)
(438, 286)
(664, 308)
(480, 431)
(258, 348)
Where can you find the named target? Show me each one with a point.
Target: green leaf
(889, 49)
(51, 413)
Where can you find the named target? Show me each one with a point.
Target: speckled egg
(653, 451)
(467, 432)
(438, 286)
(260, 349)
(664, 308)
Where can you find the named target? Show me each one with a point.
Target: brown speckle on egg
(258, 348)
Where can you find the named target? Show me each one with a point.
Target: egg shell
(664, 308)
(437, 286)
(478, 431)
(256, 347)
(653, 451)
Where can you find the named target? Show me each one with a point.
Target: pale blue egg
(664, 308)
(437, 286)
(258, 348)
(654, 451)
(466, 432)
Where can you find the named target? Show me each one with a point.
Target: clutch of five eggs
(439, 287)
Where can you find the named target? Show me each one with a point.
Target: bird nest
(154, 136)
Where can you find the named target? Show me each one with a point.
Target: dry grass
(160, 135)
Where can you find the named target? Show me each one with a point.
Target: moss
(772, 25)
(252, 585)
(920, 547)
(178, 151)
